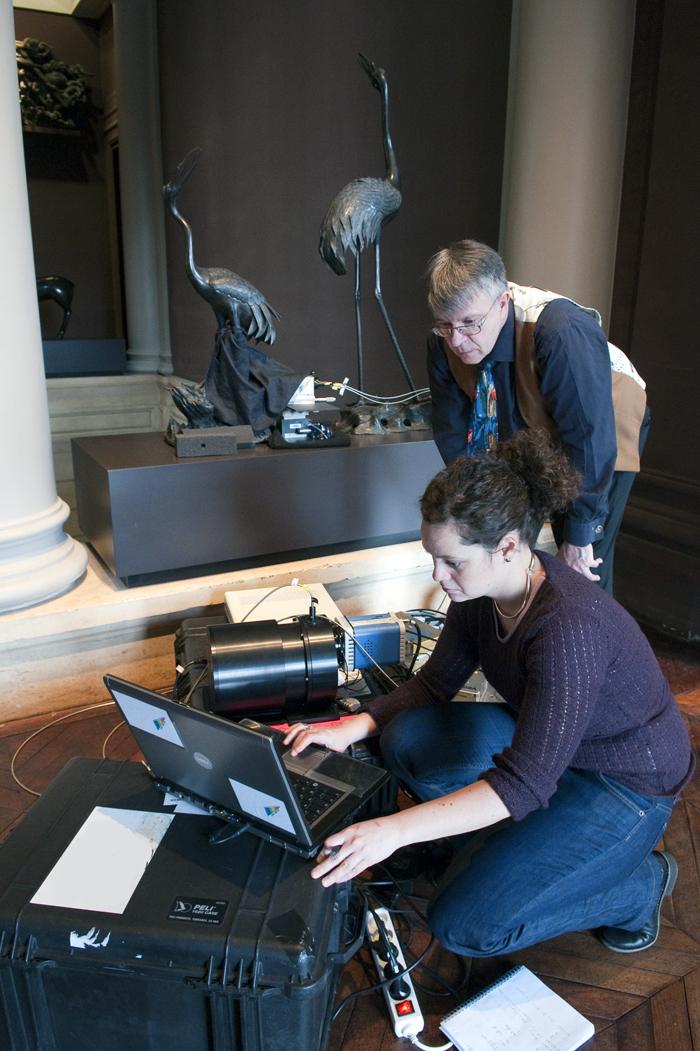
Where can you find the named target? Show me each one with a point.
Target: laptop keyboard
(314, 798)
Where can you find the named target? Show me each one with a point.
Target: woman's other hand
(347, 853)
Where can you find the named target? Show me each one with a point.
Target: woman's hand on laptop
(337, 736)
(347, 853)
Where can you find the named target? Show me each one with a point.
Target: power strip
(402, 1002)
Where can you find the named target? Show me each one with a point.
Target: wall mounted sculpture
(53, 94)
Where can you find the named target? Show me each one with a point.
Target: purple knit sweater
(583, 681)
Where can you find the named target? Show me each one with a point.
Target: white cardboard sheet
(102, 865)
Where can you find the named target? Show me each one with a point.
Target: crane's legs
(358, 325)
(387, 322)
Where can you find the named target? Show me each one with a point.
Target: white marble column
(37, 559)
(567, 121)
(140, 182)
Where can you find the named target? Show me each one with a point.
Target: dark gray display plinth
(148, 514)
(84, 357)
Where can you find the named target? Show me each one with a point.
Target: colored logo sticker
(148, 717)
(262, 806)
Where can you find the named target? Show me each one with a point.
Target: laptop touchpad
(337, 765)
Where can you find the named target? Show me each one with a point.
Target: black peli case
(247, 961)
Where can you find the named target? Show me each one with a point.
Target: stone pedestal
(148, 514)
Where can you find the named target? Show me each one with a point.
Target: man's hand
(580, 558)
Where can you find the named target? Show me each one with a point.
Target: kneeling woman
(570, 783)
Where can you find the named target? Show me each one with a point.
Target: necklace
(528, 588)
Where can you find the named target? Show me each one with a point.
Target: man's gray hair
(458, 273)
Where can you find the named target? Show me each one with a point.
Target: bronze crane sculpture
(233, 299)
(355, 218)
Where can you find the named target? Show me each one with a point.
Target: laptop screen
(241, 769)
(211, 758)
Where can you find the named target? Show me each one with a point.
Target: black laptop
(242, 773)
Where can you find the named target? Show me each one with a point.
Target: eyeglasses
(445, 329)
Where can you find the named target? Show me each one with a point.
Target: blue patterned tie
(482, 435)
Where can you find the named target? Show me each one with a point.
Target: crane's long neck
(392, 168)
(192, 271)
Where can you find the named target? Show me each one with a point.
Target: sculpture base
(84, 357)
(152, 516)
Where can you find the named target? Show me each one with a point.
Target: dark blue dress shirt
(573, 363)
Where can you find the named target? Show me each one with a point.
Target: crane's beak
(185, 168)
(373, 72)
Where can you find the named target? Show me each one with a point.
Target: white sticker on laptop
(262, 806)
(144, 716)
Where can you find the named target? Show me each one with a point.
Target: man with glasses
(503, 357)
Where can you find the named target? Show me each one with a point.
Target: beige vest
(628, 388)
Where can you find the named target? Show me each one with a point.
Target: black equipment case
(256, 971)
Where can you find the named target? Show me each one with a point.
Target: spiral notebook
(517, 1013)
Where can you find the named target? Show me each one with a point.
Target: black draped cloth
(245, 385)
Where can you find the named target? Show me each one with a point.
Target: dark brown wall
(655, 315)
(67, 194)
(273, 93)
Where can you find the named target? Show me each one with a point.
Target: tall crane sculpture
(233, 299)
(355, 218)
(242, 384)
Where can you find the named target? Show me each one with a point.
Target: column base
(142, 362)
(38, 561)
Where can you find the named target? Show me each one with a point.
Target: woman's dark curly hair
(515, 487)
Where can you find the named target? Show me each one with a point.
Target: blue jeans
(582, 862)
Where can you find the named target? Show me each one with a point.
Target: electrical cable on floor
(430, 1047)
(406, 939)
(112, 731)
(55, 722)
(447, 990)
(47, 726)
(380, 985)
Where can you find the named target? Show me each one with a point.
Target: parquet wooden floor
(649, 1001)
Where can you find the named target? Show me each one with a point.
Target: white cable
(389, 399)
(368, 655)
(294, 584)
(430, 1047)
(111, 732)
(47, 726)
(379, 399)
